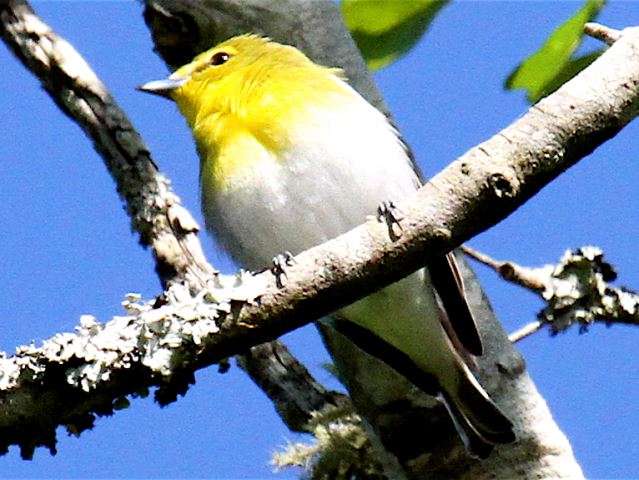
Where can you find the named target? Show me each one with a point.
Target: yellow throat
(245, 100)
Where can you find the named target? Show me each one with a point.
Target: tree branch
(601, 32)
(294, 392)
(576, 291)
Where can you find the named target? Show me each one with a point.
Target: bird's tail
(479, 422)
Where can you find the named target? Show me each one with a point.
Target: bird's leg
(278, 269)
(388, 212)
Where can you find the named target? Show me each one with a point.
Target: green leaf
(384, 30)
(552, 65)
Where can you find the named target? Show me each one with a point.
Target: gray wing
(448, 283)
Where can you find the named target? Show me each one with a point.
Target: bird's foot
(388, 212)
(278, 269)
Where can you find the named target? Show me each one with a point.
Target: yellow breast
(230, 151)
(234, 139)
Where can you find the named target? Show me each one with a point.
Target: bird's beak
(163, 87)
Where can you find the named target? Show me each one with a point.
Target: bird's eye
(219, 58)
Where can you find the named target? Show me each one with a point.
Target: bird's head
(245, 76)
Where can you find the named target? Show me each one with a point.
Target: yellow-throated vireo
(292, 156)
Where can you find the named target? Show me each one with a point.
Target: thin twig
(525, 331)
(601, 32)
(577, 291)
(525, 277)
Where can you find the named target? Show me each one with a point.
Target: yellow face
(244, 75)
(219, 65)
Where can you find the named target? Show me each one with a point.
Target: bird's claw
(278, 269)
(388, 212)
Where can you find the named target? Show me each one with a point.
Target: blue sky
(68, 250)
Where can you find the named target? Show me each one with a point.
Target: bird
(292, 156)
